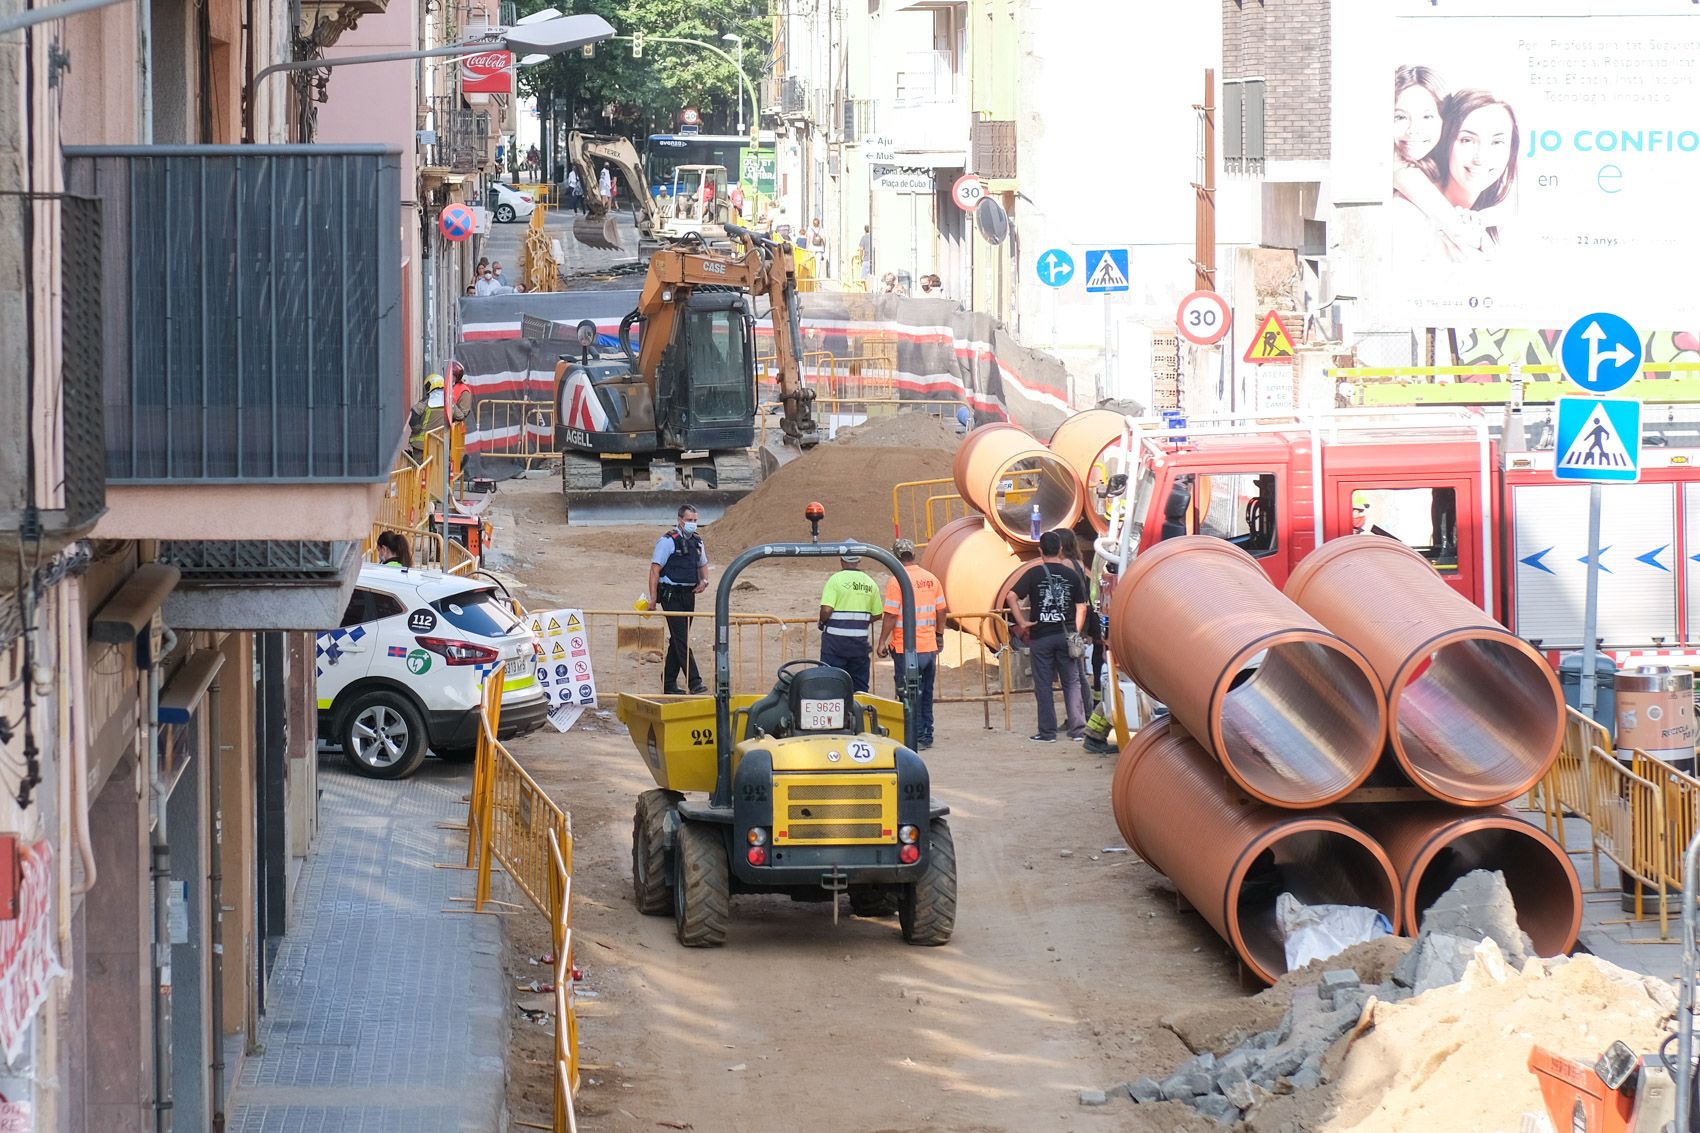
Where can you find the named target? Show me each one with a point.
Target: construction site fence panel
(566, 1012)
(1628, 820)
(920, 508)
(1680, 796)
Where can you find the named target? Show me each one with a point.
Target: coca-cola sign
(490, 72)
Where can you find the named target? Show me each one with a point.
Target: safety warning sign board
(1271, 343)
(566, 675)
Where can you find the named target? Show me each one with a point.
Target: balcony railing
(253, 315)
(463, 136)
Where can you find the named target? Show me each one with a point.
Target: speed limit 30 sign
(967, 191)
(1203, 318)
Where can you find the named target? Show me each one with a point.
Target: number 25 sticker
(861, 751)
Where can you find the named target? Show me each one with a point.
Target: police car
(405, 671)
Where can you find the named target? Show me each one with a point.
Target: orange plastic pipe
(1081, 441)
(986, 476)
(1293, 713)
(973, 565)
(1476, 715)
(1431, 846)
(1231, 857)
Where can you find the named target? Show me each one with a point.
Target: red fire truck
(1487, 513)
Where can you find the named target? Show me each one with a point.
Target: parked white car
(405, 671)
(509, 204)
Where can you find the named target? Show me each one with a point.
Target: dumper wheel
(873, 903)
(652, 885)
(927, 908)
(702, 900)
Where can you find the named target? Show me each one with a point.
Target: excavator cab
(714, 344)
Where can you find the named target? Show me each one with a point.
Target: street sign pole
(1109, 358)
(1591, 605)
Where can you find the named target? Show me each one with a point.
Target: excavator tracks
(598, 491)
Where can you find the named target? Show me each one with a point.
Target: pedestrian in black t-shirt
(1056, 607)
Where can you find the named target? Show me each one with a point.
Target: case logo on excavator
(713, 267)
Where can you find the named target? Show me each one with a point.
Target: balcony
(262, 585)
(251, 362)
(462, 137)
(928, 120)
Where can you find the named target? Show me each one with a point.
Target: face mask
(690, 527)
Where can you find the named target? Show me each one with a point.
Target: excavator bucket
(597, 231)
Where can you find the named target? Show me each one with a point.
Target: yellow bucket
(675, 734)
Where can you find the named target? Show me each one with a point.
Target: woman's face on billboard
(1416, 123)
(1482, 149)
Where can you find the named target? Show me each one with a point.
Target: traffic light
(637, 45)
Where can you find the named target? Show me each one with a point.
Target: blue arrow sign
(1599, 440)
(1055, 267)
(1651, 558)
(1534, 560)
(1600, 352)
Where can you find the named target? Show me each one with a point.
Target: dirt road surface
(1064, 960)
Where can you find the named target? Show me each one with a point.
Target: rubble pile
(1438, 1039)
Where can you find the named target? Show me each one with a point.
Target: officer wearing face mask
(678, 572)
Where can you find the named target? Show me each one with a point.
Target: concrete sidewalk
(384, 1010)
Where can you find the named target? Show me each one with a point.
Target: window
(1236, 506)
(719, 366)
(1424, 519)
(477, 611)
(1242, 125)
(370, 606)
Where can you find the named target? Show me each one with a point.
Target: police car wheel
(383, 736)
(505, 213)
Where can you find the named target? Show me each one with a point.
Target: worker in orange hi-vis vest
(930, 610)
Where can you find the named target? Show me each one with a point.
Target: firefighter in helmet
(426, 415)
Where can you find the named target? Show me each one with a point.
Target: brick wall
(1285, 43)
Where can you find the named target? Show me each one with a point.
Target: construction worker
(426, 415)
(929, 615)
(1360, 517)
(848, 605)
(678, 572)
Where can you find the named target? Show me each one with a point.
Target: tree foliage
(670, 76)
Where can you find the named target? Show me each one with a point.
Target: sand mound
(853, 480)
(1456, 1058)
(901, 430)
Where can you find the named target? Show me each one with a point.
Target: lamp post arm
(253, 84)
(743, 79)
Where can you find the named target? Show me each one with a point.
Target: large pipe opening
(1478, 722)
(1320, 862)
(1303, 726)
(1041, 480)
(1543, 885)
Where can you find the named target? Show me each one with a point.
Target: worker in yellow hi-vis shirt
(848, 605)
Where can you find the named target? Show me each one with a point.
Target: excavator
(676, 412)
(697, 205)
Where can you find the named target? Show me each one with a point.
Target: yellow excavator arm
(598, 228)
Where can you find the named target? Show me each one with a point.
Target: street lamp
(544, 37)
(731, 37)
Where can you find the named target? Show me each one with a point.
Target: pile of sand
(1456, 1058)
(852, 477)
(901, 430)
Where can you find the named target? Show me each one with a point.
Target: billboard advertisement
(1541, 166)
(489, 72)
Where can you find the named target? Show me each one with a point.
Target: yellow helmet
(433, 381)
(1360, 501)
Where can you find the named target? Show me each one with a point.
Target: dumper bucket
(676, 734)
(597, 231)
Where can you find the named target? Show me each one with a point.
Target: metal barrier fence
(526, 429)
(982, 675)
(1628, 819)
(1680, 794)
(566, 1013)
(920, 507)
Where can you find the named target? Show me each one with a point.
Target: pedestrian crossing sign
(1271, 343)
(1599, 440)
(1106, 270)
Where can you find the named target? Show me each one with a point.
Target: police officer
(849, 603)
(678, 572)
